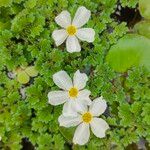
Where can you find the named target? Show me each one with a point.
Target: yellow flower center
(87, 117)
(71, 30)
(73, 92)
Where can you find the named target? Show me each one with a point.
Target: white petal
(79, 80)
(59, 36)
(69, 121)
(63, 19)
(86, 34)
(82, 134)
(98, 106)
(69, 108)
(57, 97)
(81, 17)
(80, 107)
(83, 96)
(99, 127)
(73, 44)
(62, 80)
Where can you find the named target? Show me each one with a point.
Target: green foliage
(25, 40)
(126, 54)
(5, 3)
(144, 6)
(142, 28)
(131, 3)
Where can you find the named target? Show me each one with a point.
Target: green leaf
(129, 3)
(144, 7)
(31, 71)
(67, 133)
(146, 113)
(143, 28)
(30, 3)
(58, 142)
(5, 3)
(126, 54)
(44, 140)
(22, 77)
(126, 115)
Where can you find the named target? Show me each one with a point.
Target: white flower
(73, 94)
(72, 29)
(85, 119)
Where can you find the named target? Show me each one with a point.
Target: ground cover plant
(116, 62)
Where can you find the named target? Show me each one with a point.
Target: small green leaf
(30, 3)
(131, 50)
(22, 77)
(31, 71)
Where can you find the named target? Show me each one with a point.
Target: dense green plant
(25, 40)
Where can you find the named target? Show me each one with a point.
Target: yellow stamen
(87, 117)
(73, 92)
(71, 30)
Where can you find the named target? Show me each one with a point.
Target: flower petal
(86, 34)
(80, 107)
(63, 19)
(69, 108)
(98, 106)
(82, 134)
(83, 96)
(62, 80)
(31, 71)
(57, 97)
(99, 127)
(59, 36)
(73, 44)
(23, 77)
(69, 121)
(79, 80)
(81, 17)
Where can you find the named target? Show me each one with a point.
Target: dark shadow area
(129, 15)
(27, 144)
(132, 146)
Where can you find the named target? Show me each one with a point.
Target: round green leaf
(144, 6)
(31, 71)
(23, 77)
(67, 133)
(131, 50)
(143, 28)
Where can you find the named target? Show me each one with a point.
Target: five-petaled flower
(72, 29)
(73, 94)
(85, 119)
